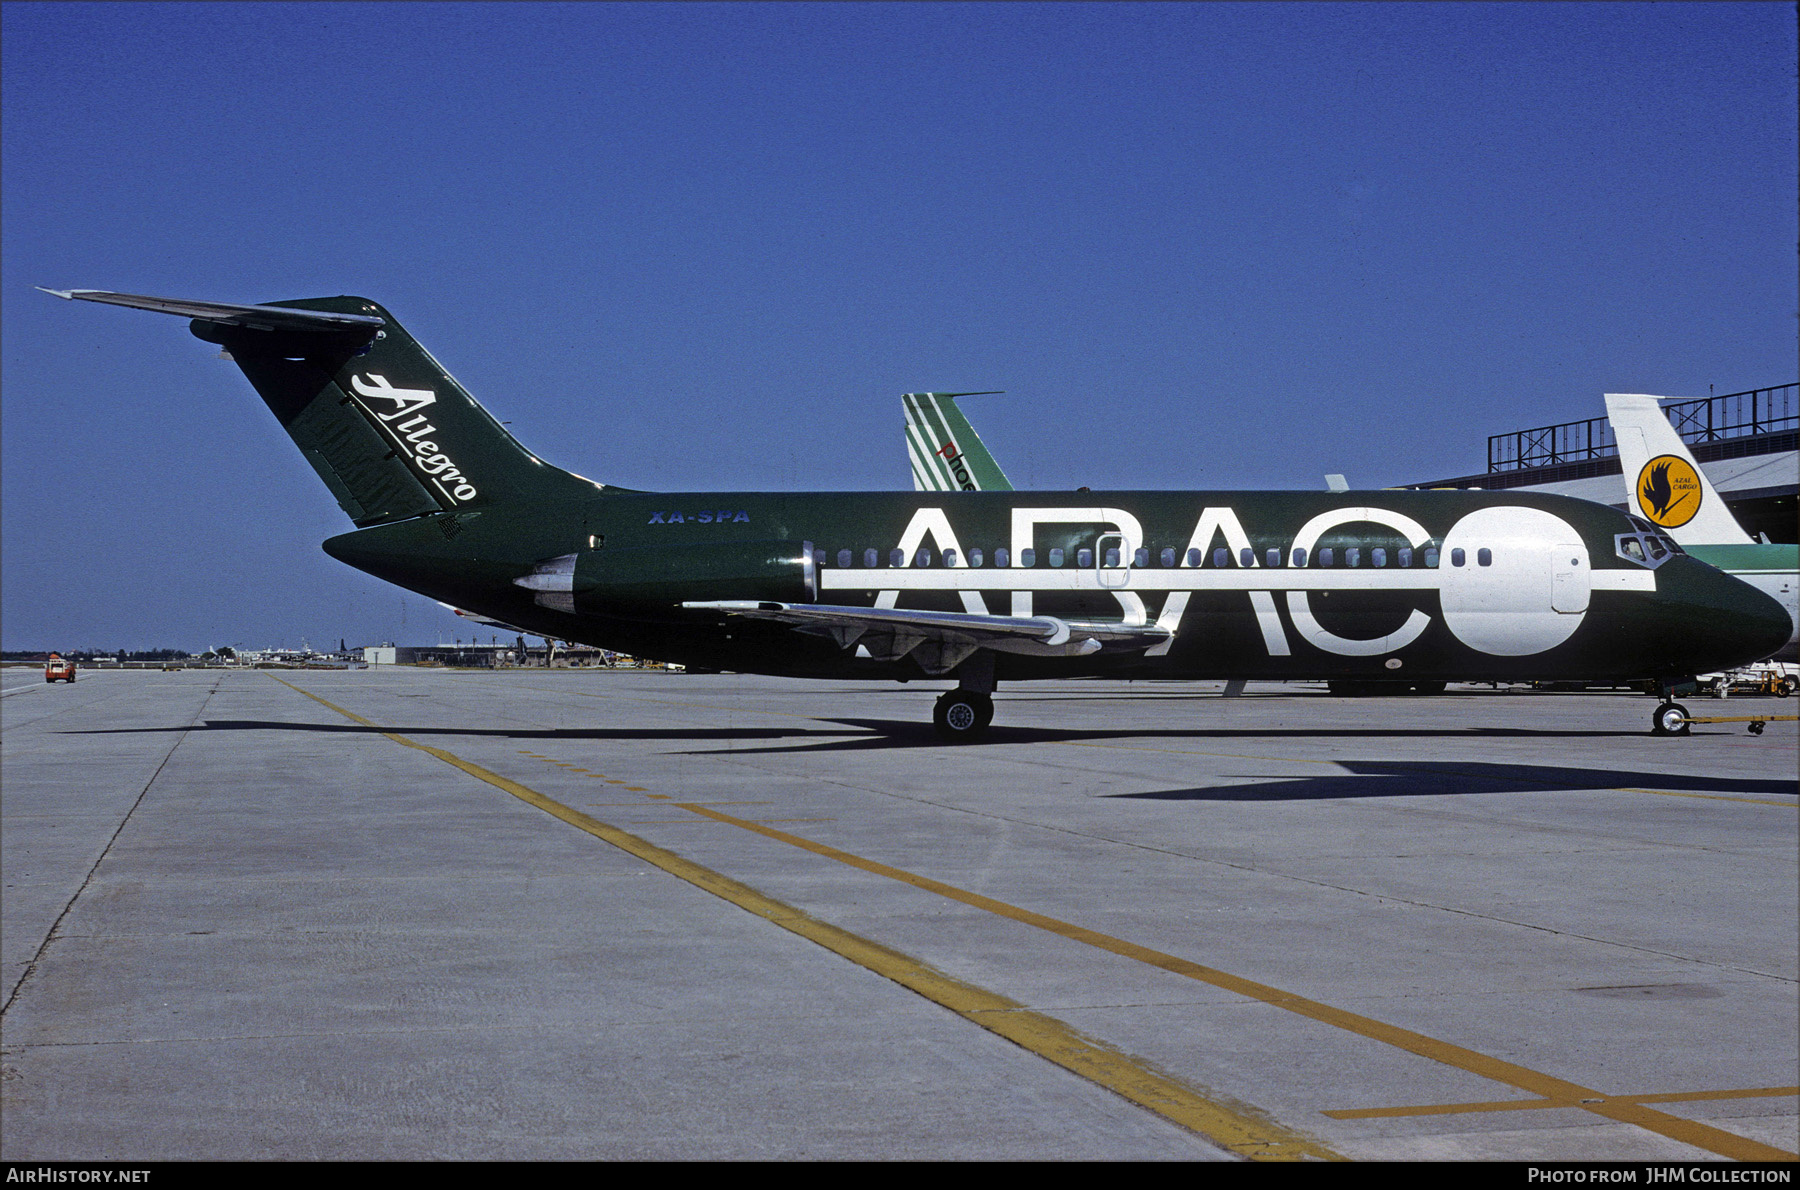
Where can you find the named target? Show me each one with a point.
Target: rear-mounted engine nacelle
(665, 576)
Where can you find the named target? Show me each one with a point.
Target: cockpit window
(1649, 549)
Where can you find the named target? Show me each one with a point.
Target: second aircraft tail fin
(1665, 484)
(946, 453)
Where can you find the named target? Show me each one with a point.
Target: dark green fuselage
(1695, 620)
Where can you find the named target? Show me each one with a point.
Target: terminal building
(1745, 442)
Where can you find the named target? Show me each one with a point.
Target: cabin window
(1299, 557)
(1353, 556)
(949, 557)
(1084, 558)
(1221, 557)
(871, 559)
(1028, 557)
(1112, 558)
(1167, 557)
(1056, 556)
(1193, 557)
(974, 557)
(844, 558)
(1431, 558)
(1484, 557)
(897, 559)
(1328, 557)
(1141, 558)
(1002, 559)
(1457, 557)
(922, 558)
(1246, 557)
(818, 557)
(1271, 558)
(1404, 553)
(1378, 556)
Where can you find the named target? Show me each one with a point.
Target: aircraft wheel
(1671, 718)
(962, 716)
(1756, 728)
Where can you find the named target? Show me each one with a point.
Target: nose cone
(1712, 621)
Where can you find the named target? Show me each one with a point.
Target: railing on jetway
(1750, 413)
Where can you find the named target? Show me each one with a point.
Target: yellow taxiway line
(1236, 1130)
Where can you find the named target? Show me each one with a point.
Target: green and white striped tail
(946, 453)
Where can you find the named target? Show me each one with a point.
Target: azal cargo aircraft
(978, 587)
(1666, 484)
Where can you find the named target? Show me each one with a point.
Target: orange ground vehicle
(59, 670)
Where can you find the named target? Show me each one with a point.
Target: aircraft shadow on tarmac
(874, 734)
(508, 733)
(892, 733)
(1358, 778)
(1415, 778)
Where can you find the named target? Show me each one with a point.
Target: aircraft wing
(262, 318)
(940, 641)
(488, 621)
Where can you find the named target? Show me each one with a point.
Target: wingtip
(65, 294)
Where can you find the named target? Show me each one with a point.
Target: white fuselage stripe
(1225, 579)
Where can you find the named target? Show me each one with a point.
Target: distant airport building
(1745, 442)
(473, 656)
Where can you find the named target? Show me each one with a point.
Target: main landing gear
(962, 716)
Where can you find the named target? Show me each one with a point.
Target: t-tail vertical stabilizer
(946, 453)
(392, 434)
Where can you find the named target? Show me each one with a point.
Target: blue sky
(706, 247)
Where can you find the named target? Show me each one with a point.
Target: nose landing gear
(1671, 718)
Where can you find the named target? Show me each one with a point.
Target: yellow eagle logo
(1668, 491)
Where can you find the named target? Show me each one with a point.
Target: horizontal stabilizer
(262, 318)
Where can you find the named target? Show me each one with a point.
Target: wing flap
(940, 641)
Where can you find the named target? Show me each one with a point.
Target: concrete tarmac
(413, 914)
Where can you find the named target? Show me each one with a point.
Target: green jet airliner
(979, 587)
